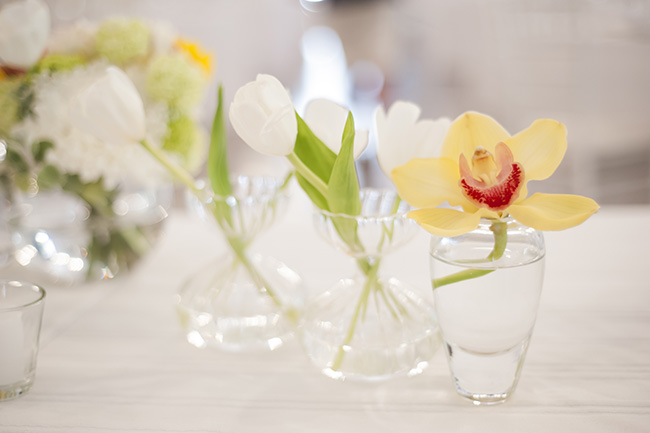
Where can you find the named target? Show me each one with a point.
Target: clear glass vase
(369, 326)
(67, 240)
(487, 286)
(242, 301)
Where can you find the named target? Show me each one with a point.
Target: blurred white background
(585, 63)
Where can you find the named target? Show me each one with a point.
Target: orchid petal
(429, 182)
(326, 119)
(401, 137)
(470, 131)
(539, 148)
(553, 211)
(445, 222)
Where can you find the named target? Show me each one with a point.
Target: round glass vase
(67, 239)
(487, 285)
(242, 301)
(368, 326)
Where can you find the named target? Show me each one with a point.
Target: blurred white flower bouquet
(41, 149)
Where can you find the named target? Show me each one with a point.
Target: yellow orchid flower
(196, 53)
(484, 170)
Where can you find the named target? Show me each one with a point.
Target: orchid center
(493, 181)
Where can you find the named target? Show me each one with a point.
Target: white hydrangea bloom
(76, 152)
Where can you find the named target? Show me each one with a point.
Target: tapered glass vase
(369, 326)
(242, 301)
(487, 286)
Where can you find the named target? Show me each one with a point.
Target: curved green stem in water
(238, 247)
(500, 230)
(371, 279)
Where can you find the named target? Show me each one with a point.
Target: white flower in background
(326, 119)
(24, 29)
(77, 39)
(162, 36)
(264, 117)
(401, 137)
(78, 152)
(110, 109)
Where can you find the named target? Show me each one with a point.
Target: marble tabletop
(113, 357)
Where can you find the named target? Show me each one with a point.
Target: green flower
(58, 63)
(122, 40)
(185, 139)
(174, 80)
(9, 105)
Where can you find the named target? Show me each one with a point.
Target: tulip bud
(110, 109)
(326, 119)
(24, 29)
(401, 137)
(264, 117)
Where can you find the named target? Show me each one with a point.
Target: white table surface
(114, 358)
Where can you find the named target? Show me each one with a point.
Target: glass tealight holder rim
(41, 294)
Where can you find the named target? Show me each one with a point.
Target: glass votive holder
(21, 314)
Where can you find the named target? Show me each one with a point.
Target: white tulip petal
(401, 137)
(25, 29)
(110, 109)
(327, 119)
(263, 116)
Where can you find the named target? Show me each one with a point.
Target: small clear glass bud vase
(242, 301)
(369, 326)
(487, 285)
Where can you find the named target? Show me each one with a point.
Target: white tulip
(326, 119)
(401, 137)
(264, 117)
(111, 109)
(24, 29)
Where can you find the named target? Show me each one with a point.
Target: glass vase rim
(30, 286)
(277, 185)
(376, 216)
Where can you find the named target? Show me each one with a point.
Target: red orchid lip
(503, 191)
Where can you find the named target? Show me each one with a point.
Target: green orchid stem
(500, 230)
(305, 172)
(173, 168)
(370, 270)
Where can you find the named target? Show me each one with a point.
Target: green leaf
(343, 189)
(312, 152)
(343, 185)
(49, 177)
(218, 155)
(40, 148)
(218, 172)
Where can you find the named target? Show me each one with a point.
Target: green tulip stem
(237, 246)
(305, 172)
(500, 230)
(371, 281)
(178, 172)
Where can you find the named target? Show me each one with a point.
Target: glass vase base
(15, 390)
(395, 334)
(221, 307)
(486, 378)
